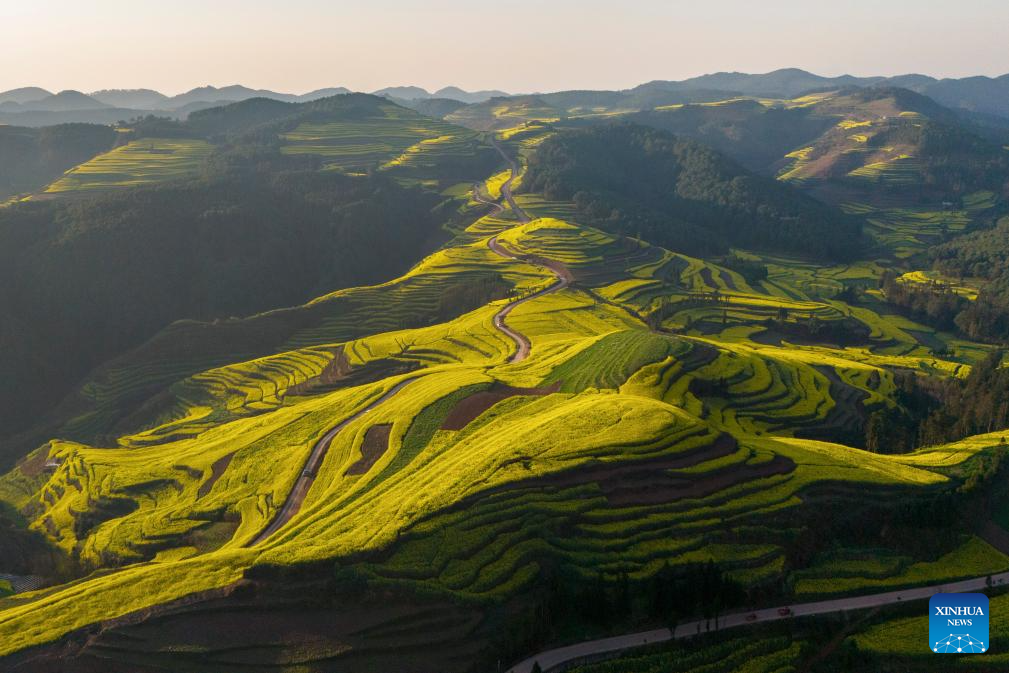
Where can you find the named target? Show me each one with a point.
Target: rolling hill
(981, 94)
(494, 390)
(102, 217)
(34, 157)
(23, 95)
(637, 181)
(139, 99)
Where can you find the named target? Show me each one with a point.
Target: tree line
(932, 411)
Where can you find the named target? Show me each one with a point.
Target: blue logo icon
(958, 623)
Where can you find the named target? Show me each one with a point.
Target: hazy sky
(516, 45)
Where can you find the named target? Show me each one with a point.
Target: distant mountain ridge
(989, 95)
(131, 98)
(34, 106)
(36, 98)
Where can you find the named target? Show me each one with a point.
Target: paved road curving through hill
(297, 495)
(301, 487)
(591, 649)
(506, 188)
(564, 279)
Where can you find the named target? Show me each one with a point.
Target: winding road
(506, 188)
(297, 495)
(564, 279)
(308, 474)
(592, 649)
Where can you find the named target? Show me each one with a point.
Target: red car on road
(784, 612)
(752, 617)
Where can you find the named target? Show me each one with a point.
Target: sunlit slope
(353, 133)
(140, 162)
(604, 401)
(382, 135)
(501, 113)
(891, 147)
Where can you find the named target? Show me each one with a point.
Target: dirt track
(468, 409)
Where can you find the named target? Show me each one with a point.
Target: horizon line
(431, 90)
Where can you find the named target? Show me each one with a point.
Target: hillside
(536, 428)
(338, 386)
(898, 141)
(188, 210)
(636, 181)
(223, 196)
(851, 145)
(980, 94)
(31, 158)
(152, 254)
(754, 134)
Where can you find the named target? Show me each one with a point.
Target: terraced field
(140, 162)
(194, 489)
(665, 413)
(393, 138)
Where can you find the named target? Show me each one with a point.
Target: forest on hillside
(681, 195)
(83, 280)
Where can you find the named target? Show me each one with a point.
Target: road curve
(301, 487)
(589, 649)
(564, 279)
(297, 495)
(480, 198)
(506, 188)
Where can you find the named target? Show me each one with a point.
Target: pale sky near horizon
(515, 45)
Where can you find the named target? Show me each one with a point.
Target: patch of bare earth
(33, 466)
(337, 370)
(468, 409)
(216, 470)
(374, 446)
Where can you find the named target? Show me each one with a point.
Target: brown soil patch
(375, 444)
(337, 370)
(468, 409)
(648, 482)
(216, 470)
(32, 467)
(654, 487)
